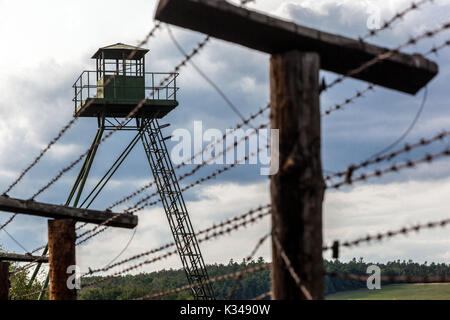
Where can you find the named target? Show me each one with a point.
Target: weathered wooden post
(61, 244)
(4, 281)
(297, 189)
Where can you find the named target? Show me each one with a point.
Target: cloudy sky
(47, 44)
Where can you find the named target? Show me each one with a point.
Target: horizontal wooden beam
(222, 20)
(34, 208)
(4, 256)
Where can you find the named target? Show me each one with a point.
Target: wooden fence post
(297, 189)
(61, 244)
(4, 281)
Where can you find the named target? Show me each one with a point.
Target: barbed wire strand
(435, 50)
(249, 214)
(388, 157)
(135, 208)
(186, 162)
(386, 235)
(387, 24)
(394, 168)
(212, 175)
(207, 237)
(359, 94)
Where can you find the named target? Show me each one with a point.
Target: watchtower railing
(89, 86)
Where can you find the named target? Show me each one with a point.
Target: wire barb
(399, 15)
(394, 168)
(388, 234)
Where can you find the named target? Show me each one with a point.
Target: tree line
(251, 285)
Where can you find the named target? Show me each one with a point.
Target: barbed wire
(136, 207)
(435, 49)
(208, 177)
(186, 162)
(388, 54)
(209, 281)
(244, 122)
(240, 274)
(249, 214)
(387, 24)
(394, 168)
(385, 235)
(289, 267)
(407, 148)
(358, 94)
(206, 77)
(207, 237)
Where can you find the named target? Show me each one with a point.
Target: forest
(250, 286)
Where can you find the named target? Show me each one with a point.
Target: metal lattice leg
(175, 208)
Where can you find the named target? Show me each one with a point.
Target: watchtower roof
(120, 51)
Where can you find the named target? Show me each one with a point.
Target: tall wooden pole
(61, 244)
(4, 281)
(297, 189)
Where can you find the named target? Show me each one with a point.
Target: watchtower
(120, 82)
(121, 88)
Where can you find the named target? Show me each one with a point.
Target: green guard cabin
(120, 83)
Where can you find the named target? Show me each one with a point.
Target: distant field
(429, 291)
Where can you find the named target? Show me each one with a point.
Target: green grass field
(440, 291)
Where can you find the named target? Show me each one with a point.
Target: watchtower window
(120, 82)
(120, 59)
